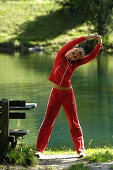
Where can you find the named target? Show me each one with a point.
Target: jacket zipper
(64, 73)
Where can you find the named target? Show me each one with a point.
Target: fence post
(4, 125)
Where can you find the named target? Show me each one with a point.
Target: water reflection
(25, 76)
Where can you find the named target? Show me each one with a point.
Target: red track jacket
(63, 68)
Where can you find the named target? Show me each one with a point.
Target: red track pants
(58, 98)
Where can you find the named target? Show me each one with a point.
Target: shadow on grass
(47, 27)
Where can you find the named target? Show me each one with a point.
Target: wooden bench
(7, 111)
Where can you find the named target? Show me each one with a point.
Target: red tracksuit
(61, 75)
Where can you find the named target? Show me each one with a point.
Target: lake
(25, 77)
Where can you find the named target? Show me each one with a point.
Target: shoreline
(9, 47)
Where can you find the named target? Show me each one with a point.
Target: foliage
(15, 0)
(29, 23)
(111, 167)
(97, 13)
(100, 155)
(78, 166)
(23, 154)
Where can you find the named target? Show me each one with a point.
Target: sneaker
(82, 154)
(38, 154)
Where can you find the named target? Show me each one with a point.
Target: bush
(23, 154)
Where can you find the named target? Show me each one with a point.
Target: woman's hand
(99, 39)
(94, 36)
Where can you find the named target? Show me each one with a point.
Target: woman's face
(75, 54)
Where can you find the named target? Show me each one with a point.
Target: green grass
(78, 166)
(99, 154)
(62, 150)
(30, 23)
(24, 155)
(92, 154)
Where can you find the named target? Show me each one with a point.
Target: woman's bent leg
(69, 105)
(47, 125)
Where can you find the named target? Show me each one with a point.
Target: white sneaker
(38, 154)
(82, 154)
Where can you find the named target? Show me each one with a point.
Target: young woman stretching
(67, 60)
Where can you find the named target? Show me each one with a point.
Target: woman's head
(75, 54)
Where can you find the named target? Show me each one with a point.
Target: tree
(98, 13)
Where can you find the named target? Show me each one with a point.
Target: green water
(25, 77)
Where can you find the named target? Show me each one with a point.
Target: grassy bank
(29, 23)
(92, 154)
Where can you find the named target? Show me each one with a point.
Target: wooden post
(4, 125)
(0, 123)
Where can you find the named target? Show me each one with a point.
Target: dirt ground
(61, 162)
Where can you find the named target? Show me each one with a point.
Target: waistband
(61, 88)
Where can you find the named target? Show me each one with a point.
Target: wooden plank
(16, 115)
(18, 133)
(0, 125)
(33, 104)
(15, 102)
(28, 106)
(0, 134)
(4, 125)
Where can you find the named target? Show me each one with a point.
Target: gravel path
(60, 162)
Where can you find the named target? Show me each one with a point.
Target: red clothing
(61, 75)
(63, 68)
(57, 99)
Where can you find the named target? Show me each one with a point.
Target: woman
(67, 60)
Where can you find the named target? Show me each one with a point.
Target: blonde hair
(82, 51)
